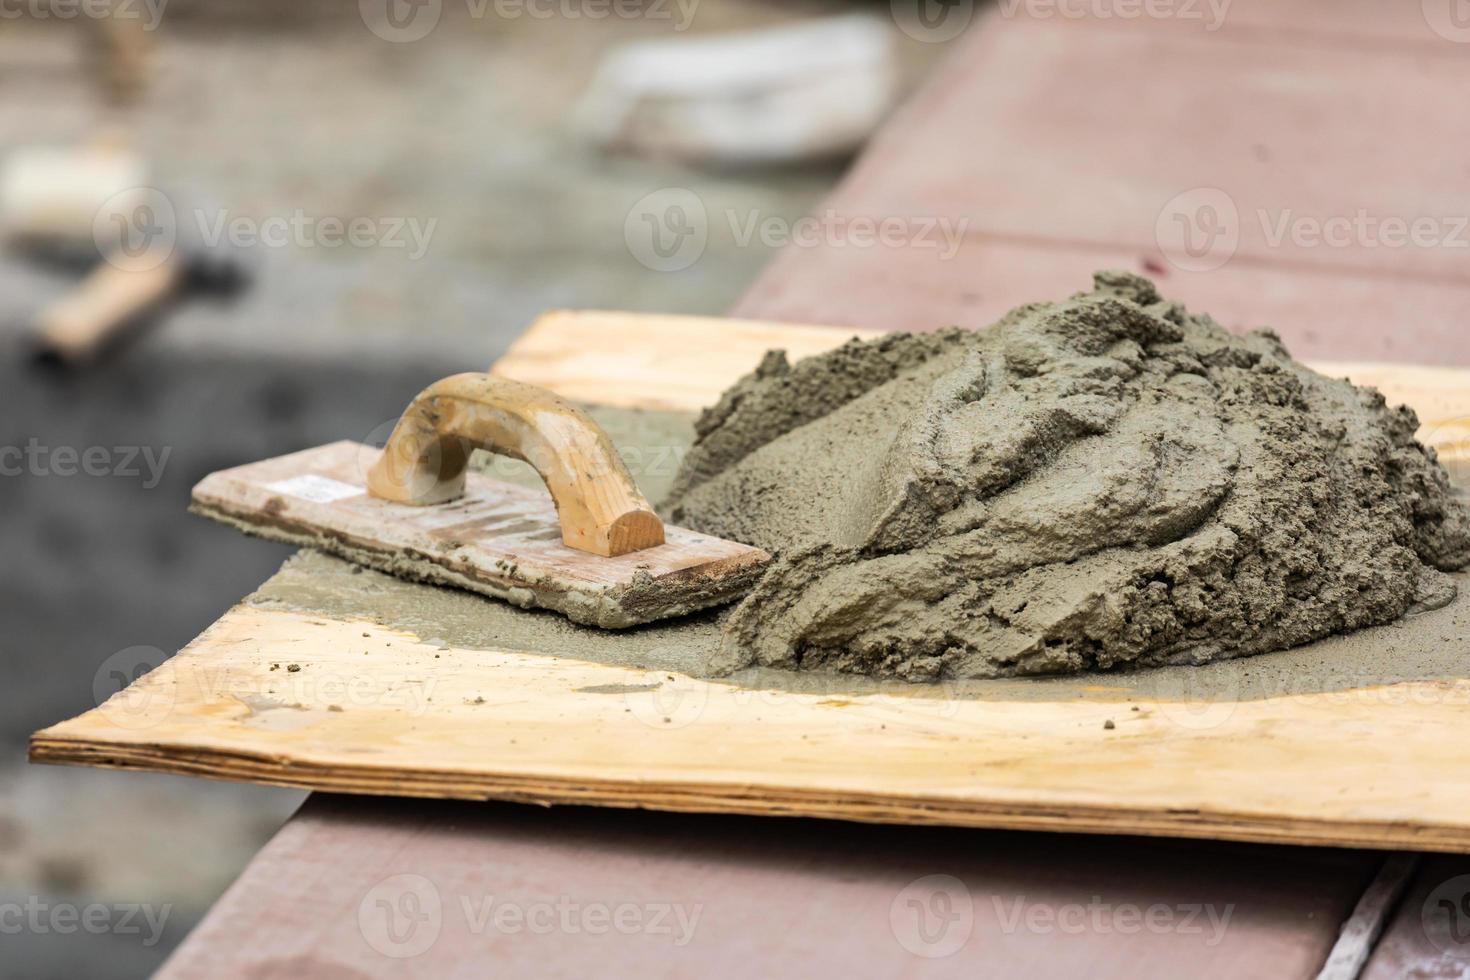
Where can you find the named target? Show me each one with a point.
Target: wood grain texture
(350, 706)
(645, 360)
(600, 508)
(513, 725)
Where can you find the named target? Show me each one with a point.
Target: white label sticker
(318, 489)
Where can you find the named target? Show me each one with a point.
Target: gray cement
(1088, 484)
(1423, 645)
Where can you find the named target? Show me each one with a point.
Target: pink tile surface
(359, 888)
(1321, 315)
(1340, 23)
(1325, 186)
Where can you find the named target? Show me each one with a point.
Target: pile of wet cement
(1103, 481)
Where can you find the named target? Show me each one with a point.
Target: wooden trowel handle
(74, 329)
(600, 507)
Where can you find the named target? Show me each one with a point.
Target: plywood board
(682, 363)
(677, 363)
(350, 705)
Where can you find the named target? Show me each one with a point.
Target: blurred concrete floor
(262, 109)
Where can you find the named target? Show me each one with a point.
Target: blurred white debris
(807, 91)
(54, 194)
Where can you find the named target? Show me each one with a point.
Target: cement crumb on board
(1104, 481)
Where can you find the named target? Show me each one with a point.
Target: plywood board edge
(745, 799)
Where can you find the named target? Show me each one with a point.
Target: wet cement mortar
(1086, 488)
(1098, 482)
